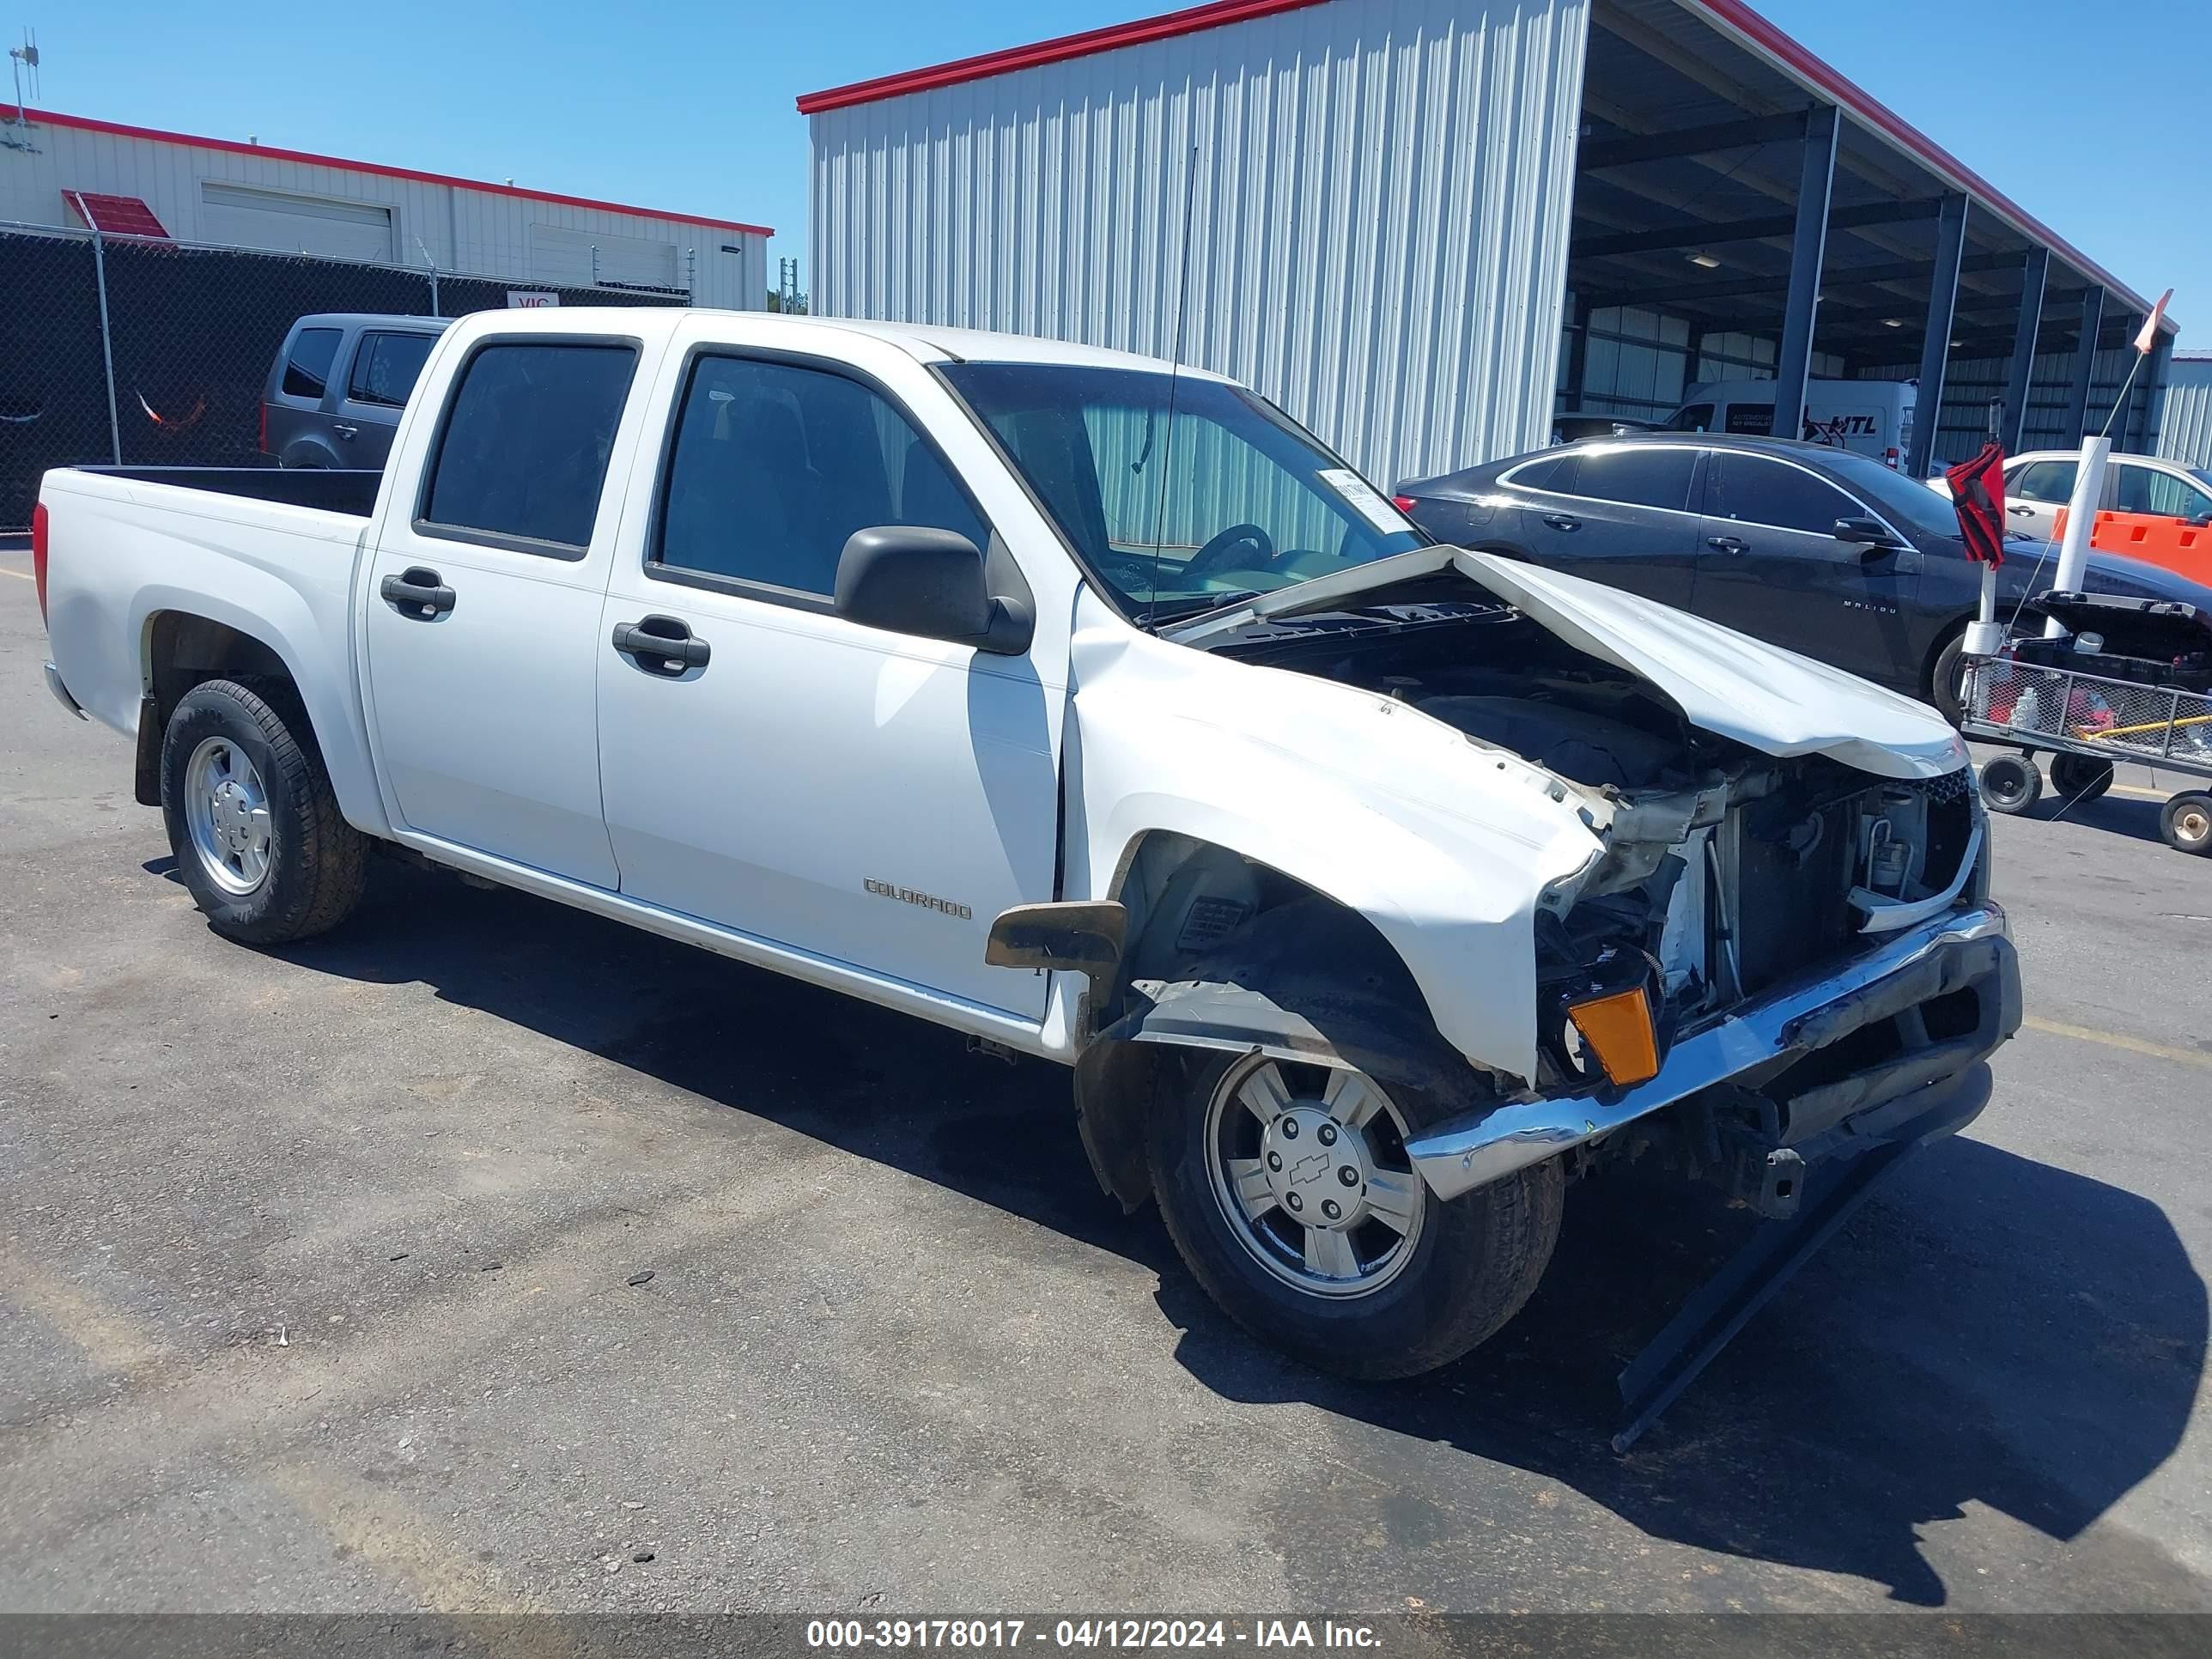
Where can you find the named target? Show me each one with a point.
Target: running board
(1724, 1304)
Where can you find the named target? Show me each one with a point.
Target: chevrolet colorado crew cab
(1374, 890)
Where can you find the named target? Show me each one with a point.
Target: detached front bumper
(1963, 950)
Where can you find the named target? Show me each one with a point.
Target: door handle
(344, 431)
(417, 591)
(661, 645)
(1727, 544)
(1562, 521)
(2021, 511)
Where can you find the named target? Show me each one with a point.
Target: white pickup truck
(1374, 890)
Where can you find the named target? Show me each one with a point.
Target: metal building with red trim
(1425, 226)
(83, 174)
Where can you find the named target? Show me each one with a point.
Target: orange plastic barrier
(2178, 545)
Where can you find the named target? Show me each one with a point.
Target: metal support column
(1808, 244)
(2085, 365)
(1577, 353)
(107, 343)
(2161, 365)
(1935, 344)
(2034, 273)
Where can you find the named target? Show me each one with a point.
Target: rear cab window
(386, 367)
(307, 365)
(521, 460)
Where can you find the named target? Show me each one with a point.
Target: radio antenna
(1175, 372)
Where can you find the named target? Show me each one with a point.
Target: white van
(1874, 417)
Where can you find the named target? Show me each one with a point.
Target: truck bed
(327, 490)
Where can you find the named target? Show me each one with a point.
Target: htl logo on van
(1837, 431)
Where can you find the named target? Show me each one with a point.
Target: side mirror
(930, 583)
(1870, 533)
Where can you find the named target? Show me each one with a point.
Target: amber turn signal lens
(1619, 1030)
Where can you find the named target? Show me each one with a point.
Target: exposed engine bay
(1725, 871)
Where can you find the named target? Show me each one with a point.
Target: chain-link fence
(153, 353)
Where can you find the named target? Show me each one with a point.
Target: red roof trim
(1732, 16)
(1763, 36)
(1219, 14)
(87, 124)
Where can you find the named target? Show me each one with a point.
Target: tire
(2010, 784)
(1461, 1269)
(1945, 680)
(256, 831)
(2079, 779)
(2185, 822)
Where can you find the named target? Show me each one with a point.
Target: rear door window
(524, 454)
(307, 365)
(1655, 475)
(2049, 481)
(386, 366)
(1753, 489)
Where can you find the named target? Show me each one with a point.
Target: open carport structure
(1426, 226)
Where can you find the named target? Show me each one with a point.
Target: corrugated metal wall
(2185, 432)
(1969, 383)
(482, 232)
(1378, 235)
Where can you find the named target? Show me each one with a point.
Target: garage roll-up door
(558, 255)
(297, 224)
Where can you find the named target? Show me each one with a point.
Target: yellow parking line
(107, 1339)
(2140, 793)
(2115, 1040)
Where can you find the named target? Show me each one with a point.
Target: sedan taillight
(38, 555)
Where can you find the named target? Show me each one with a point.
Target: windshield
(1911, 507)
(1225, 499)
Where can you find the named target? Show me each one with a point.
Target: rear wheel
(1947, 681)
(1287, 1188)
(251, 819)
(2187, 823)
(2010, 784)
(2080, 779)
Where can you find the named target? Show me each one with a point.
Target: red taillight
(1890, 455)
(1403, 503)
(264, 430)
(38, 555)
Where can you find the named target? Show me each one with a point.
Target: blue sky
(688, 107)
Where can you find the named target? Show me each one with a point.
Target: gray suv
(338, 383)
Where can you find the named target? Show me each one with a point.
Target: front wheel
(251, 818)
(2010, 784)
(1287, 1188)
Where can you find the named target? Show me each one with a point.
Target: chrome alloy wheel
(1308, 1166)
(227, 811)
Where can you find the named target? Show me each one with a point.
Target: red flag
(1978, 492)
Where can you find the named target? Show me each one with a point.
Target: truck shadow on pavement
(1991, 1333)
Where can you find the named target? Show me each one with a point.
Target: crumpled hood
(1726, 683)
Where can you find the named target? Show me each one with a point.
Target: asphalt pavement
(465, 1257)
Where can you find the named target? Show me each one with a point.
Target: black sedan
(1822, 551)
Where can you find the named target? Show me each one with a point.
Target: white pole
(2081, 520)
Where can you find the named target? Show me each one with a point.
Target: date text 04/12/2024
(1280, 1634)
